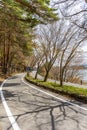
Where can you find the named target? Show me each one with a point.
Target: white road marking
(8, 111)
(65, 101)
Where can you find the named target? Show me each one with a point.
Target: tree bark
(61, 76)
(4, 69)
(46, 76)
(37, 71)
(61, 80)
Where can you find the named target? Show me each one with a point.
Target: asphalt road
(35, 110)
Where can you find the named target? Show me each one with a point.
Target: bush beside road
(79, 94)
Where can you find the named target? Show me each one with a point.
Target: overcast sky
(85, 47)
(78, 6)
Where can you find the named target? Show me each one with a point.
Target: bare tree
(51, 40)
(69, 50)
(75, 10)
(72, 71)
(39, 58)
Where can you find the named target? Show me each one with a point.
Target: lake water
(84, 74)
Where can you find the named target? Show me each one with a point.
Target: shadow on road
(11, 84)
(8, 94)
(14, 77)
(47, 113)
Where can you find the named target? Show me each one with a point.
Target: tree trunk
(61, 82)
(46, 76)
(37, 72)
(61, 78)
(8, 54)
(4, 69)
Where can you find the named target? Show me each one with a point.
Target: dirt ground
(1, 80)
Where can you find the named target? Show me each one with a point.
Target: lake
(83, 74)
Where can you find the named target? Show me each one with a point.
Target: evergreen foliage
(17, 19)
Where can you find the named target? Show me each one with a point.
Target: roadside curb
(80, 98)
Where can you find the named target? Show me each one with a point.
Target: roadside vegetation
(43, 35)
(17, 22)
(70, 91)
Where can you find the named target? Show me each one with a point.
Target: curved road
(35, 109)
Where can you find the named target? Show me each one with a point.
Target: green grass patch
(67, 90)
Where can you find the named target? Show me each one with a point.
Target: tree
(17, 20)
(39, 55)
(72, 72)
(69, 10)
(72, 41)
(14, 35)
(49, 41)
(32, 11)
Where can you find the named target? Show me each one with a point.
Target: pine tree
(32, 11)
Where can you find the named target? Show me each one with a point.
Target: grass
(75, 92)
